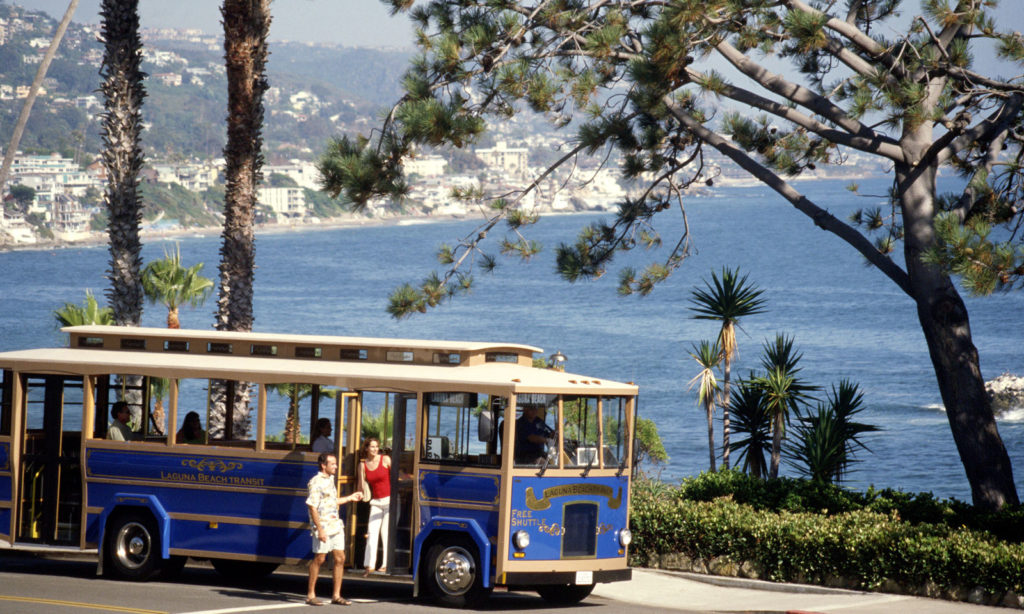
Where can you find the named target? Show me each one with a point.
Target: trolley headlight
(625, 537)
(521, 539)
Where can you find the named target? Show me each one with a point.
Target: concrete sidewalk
(691, 592)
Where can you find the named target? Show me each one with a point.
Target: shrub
(795, 531)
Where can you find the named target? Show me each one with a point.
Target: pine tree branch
(999, 121)
(822, 218)
(878, 143)
(852, 33)
(794, 92)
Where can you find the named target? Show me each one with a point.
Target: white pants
(377, 528)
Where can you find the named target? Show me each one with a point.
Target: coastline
(349, 220)
(96, 239)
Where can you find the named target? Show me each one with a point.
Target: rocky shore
(1006, 392)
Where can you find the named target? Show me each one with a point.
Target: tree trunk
(777, 426)
(709, 406)
(726, 394)
(944, 320)
(122, 157)
(246, 26)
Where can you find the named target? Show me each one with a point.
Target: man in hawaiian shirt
(327, 527)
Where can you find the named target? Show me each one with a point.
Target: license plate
(584, 577)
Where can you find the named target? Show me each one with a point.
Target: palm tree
(752, 425)
(246, 26)
(296, 393)
(708, 356)
(158, 389)
(726, 300)
(167, 282)
(123, 93)
(88, 313)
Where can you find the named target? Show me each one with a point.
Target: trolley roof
(362, 374)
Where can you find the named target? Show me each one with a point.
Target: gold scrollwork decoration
(532, 502)
(211, 464)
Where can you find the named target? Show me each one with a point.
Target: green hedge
(793, 495)
(785, 536)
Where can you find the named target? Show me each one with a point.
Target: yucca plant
(708, 356)
(825, 440)
(726, 300)
(752, 425)
(784, 390)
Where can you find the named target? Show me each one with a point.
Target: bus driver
(531, 436)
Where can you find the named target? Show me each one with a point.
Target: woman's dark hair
(364, 450)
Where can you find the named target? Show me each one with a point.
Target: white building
(287, 202)
(303, 173)
(512, 160)
(195, 177)
(69, 220)
(425, 166)
(14, 229)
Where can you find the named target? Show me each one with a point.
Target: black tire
(452, 574)
(133, 546)
(565, 594)
(243, 571)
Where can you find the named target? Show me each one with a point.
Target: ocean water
(848, 320)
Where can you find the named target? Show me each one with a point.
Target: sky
(355, 23)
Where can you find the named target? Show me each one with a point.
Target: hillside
(317, 91)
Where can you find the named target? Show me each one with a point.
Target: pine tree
(639, 79)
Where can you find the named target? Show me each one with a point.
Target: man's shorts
(334, 542)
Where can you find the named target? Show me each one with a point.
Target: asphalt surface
(31, 584)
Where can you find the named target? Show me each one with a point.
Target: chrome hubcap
(455, 572)
(132, 545)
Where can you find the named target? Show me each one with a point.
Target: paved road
(31, 584)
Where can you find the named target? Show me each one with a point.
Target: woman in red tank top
(375, 473)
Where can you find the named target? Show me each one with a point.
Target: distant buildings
(510, 160)
(69, 220)
(288, 202)
(425, 166)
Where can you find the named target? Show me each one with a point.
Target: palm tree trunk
(246, 26)
(172, 318)
(122, 157)
(33, 91)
